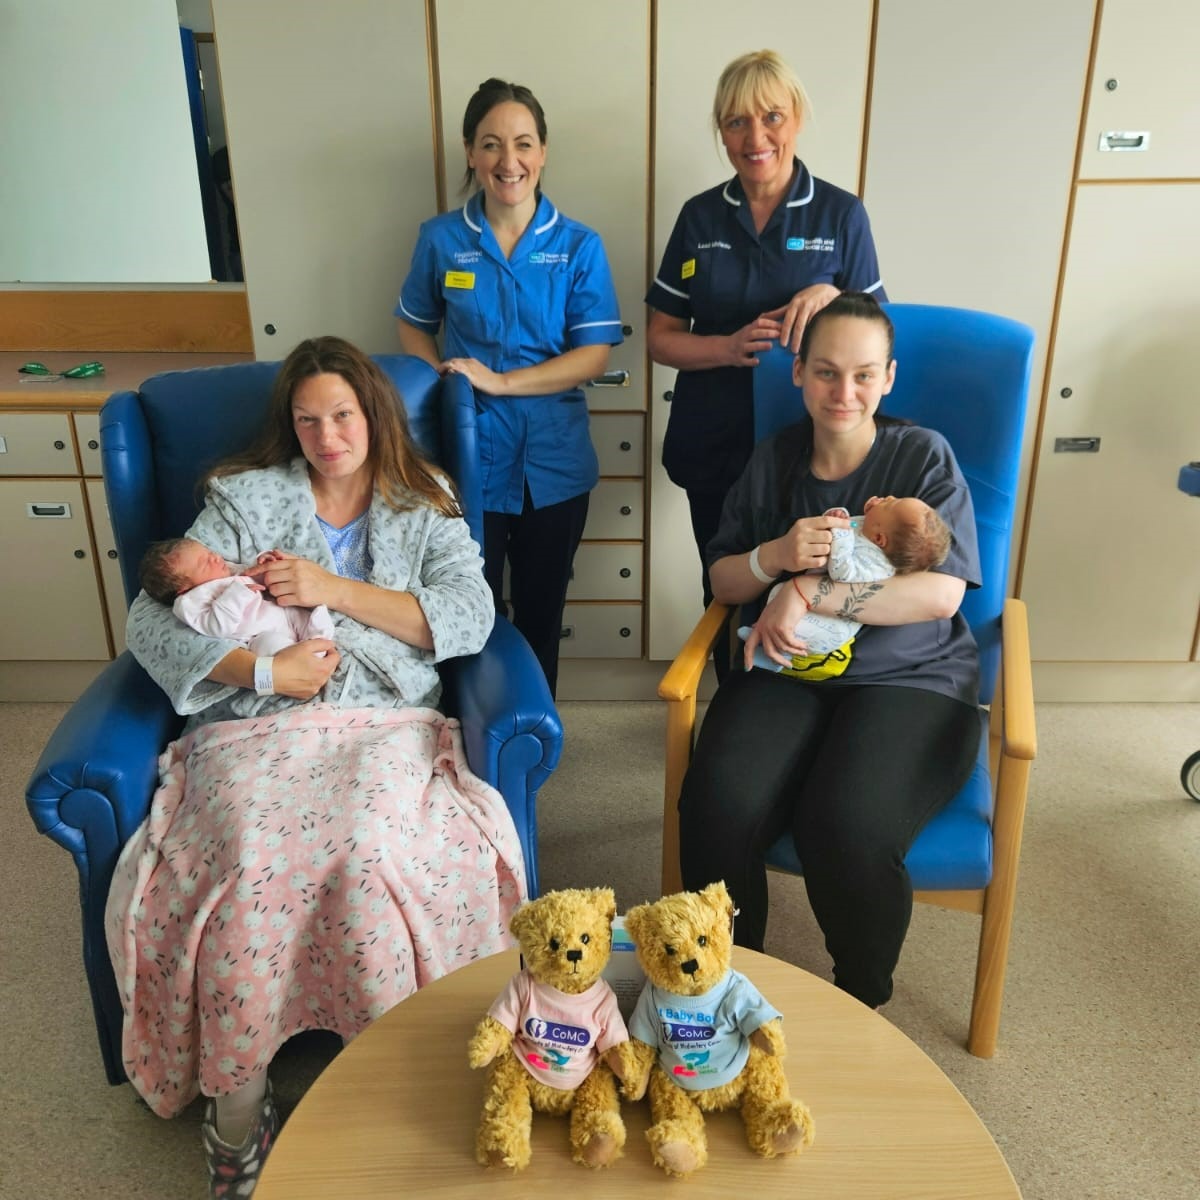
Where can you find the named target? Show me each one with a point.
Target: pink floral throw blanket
(306, 870)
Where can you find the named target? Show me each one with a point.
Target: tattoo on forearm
(860, 593)
(824, 587)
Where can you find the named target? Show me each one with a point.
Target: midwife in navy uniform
(747, 264)
(528, 311)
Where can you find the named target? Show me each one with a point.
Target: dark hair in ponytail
(862, 305)
(487, 95)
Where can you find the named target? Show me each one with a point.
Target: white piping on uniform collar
(790, 204)
(728, 197)
(553, 220)
(467, 216)
(798, 203)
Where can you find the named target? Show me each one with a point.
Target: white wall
(99, 179)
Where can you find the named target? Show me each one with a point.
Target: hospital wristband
(756, 568)
(264, 677)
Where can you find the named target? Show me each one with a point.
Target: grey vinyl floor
(1094, 1093)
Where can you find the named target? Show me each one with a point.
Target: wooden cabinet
(53, 598)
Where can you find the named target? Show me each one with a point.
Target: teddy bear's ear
(520, 919)
(718, 896)
(634, 920)
(605, 900)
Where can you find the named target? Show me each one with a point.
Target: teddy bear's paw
(786, 1128)
(493, 1149)
(673, 1150)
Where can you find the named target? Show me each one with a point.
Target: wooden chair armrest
(683, 675)
(1019, 730)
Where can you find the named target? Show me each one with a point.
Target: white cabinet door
(51, 598)
(327, 113)
(1144, 108)
(110, 566)
(1112, 564)
(828, 45)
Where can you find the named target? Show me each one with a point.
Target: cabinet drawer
(619, 440)
(37, 444)
(87, 432)
(601, 631)
(606, 571)
(615, 511)
(51, 598)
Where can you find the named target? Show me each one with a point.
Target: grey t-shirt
(777, 488)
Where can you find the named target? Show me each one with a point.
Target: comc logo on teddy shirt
(552, 1031)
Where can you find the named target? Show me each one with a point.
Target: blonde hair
(753, 82)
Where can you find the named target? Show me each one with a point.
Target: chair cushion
(953, 852)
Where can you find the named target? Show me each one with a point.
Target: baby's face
(198, 564)
(884, 516)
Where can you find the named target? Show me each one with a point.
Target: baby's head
(170, 568)
(908, 531)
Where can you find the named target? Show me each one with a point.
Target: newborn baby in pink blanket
(214, 597)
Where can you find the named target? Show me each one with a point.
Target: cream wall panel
(1149, 49)
(331, 149)
(1112, 571)
(829, 47)
(974, 124)
(588, 65)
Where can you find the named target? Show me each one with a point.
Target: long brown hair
(398, 468)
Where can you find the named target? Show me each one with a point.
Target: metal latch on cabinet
(1077, 445)
(1125, 140)
(618, 378)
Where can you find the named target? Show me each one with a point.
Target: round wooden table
(394, 1115)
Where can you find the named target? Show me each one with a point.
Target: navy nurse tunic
(553, 294)
(720, 274)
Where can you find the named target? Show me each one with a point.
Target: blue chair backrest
(157, 442)
(965, 374)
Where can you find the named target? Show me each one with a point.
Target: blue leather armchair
(965, 374)
(93, 783)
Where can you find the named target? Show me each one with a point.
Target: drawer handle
(62, 511)
(93, 444)
(1114, 140)
(58, 445)
(566, 632)
(79, 554)
(626, 631)
(625, 572)
(112, 554)
(610, 379)
(625, 510)
(668, 396)
(1077, 445)
(626, 446)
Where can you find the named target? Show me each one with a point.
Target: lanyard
(36, 372)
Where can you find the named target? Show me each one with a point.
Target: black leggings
(540, 545)
(853, 773)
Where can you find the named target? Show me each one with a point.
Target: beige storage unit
(601, 631)
(327, 112)
(52, 601)
(1112, 566)
(829, 48)
(1144, 107)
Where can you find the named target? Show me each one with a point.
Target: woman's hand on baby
(775, 628)
(297, 581)
(805, 547)
(302, 670)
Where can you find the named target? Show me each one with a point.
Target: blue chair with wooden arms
(965, 374)
(94, 781)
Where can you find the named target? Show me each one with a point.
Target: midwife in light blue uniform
(747, 264)
(529, 312)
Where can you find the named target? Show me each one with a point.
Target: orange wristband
(796, 585)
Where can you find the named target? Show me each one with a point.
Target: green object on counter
(39, 371)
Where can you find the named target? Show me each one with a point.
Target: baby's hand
(844, 513)
(268, 556)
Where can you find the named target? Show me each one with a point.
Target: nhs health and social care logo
(825, 244)
(540, 257)
(552, 1031)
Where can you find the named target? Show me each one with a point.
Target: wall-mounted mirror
(109, 175)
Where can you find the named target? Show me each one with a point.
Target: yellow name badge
(460, 279)
(689, 269)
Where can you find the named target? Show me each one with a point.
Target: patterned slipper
(233, 1170)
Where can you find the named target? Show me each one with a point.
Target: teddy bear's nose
(690, 967)
(574, 955)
